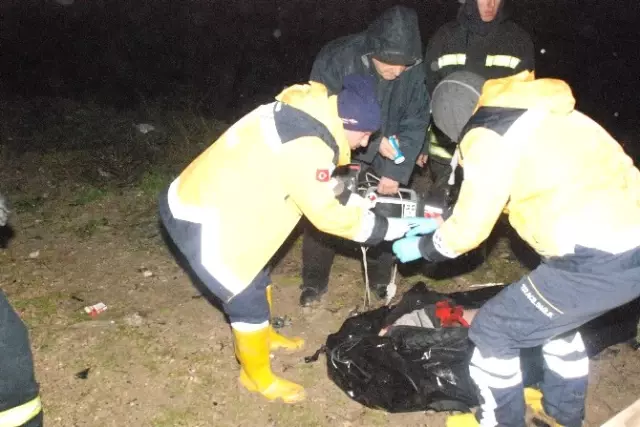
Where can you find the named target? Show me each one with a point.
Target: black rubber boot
(311, 295)
(380, 290)
(317, 258)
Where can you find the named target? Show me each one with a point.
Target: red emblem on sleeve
(323, 175)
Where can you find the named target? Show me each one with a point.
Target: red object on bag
(450, 315)
(432, 215)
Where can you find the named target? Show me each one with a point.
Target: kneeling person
(572, 193)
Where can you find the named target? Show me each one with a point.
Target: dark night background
(76, 82)
(222, 57)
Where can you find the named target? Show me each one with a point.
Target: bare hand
(422, 160)
(388, 186)
(386, 149)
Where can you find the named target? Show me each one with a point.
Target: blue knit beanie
(357, 104)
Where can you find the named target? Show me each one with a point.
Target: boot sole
(250, 386)
(312, 300)
(287, 348)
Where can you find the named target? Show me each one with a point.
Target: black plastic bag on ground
(417, 369)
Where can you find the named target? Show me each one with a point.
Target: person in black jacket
(389, 50)
(484, 41)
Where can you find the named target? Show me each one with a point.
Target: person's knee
(249, 306)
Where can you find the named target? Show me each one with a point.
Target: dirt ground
(85, 231)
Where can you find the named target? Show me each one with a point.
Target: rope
(391, 286)
(367, 290)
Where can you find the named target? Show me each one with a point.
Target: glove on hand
(400, 227)
(407, 249)
(422, 226)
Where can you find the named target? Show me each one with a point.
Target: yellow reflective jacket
(560, 177)
(251, 187)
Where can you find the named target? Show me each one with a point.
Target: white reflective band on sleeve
(357, 200)
(502, 61)
(441, 247)
(396, 229)
(19, 415)
(452, 59)
(366, 227)
(567, 369)
(560, 347)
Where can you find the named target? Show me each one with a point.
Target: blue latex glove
(422, 226)
(407, 249)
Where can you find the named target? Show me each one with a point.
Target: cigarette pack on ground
(95, 309)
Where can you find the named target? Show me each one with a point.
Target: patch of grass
(107, 352)
(89, 228)
(38, 310)
(27, 204)
(505, 271)
(287, 280)
(88, 194)
(372, 417)
(296, 415)
(154, 181)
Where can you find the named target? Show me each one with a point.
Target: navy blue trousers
(17, 378)
(544, 309)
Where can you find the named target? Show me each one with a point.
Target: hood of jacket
(469, 18)
(314, 99)
(523, 90)
(396, 32)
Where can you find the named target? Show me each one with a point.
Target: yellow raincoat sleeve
(483, 196)
(306, 170)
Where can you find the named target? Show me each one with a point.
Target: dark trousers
(439, 172)
(17, 378)
(318, 252)
(544, 309)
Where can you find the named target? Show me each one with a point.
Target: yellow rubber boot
(277, 341)
(533, 399)
(252, 350)
(462, 420)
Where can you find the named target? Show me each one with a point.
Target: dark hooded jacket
(404, 101)
(495, 49)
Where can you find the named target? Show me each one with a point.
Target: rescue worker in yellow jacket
(233, 207)
(572, 193)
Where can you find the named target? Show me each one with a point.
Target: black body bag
(418, 369)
